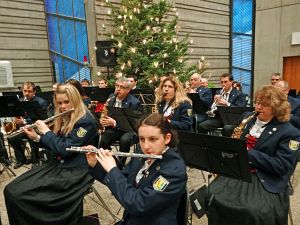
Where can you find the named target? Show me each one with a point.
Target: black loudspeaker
(106, 53)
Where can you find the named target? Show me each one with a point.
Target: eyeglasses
(275, 79)
(120, 87)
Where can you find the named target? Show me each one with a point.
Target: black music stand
(232, 115)
(10, 106)
(47, 96)
(221, 155)
(145, 95)
(33, 110)
(17, 93)
(98, 94)
(126, 118)
(198, 106)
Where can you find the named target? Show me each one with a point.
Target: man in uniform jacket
(229, 97)
(17, 143)
(113, 131)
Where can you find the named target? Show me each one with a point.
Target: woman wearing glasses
(272, 144)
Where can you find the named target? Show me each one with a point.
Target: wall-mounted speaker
(106, 53)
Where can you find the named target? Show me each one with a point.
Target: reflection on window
(242, 42)
(68, 39)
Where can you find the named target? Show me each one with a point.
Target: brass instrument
(104, 113)
(214, 107)
(237, 132)
(9, 127)
(33, 126)
(122, 154)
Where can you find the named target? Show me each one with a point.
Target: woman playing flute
(53, 193)
(149, 190)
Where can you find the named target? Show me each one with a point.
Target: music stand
(231, 115)
(198, 106)
(98, 94)
(145, 95)
(126, 118)
(18, 93)
(10, 106)
(47, 96)
(221, 155)
(33, 110)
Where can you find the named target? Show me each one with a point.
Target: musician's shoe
(28, 161)
(18, 165)
(6, 161)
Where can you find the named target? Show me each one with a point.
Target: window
(68, 39)
(242, 21)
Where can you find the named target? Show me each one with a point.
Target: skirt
(234, 202)
(47, 195)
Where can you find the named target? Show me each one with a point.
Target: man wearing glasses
(113, 132)
(275, 78)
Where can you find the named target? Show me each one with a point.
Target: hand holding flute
(104, 157)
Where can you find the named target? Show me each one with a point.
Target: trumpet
(214, 107)
(122, 154)
(33, 126)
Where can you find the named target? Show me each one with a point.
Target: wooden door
(291, 71)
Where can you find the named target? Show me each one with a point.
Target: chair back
(183, 209)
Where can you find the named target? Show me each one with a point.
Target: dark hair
(132, 76)
(227, 75)
(159, 121)
(77, 84)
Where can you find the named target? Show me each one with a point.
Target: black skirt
(47, 195)
(234, 202)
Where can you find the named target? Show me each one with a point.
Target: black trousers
(126, 139)
(3, 152)
(18, 144)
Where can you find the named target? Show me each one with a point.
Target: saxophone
(237, 132)
(104, 113)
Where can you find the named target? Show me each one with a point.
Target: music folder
(221, 155)
(232, 115)
(198, 106)
(33, 110)
(10, 106)
(98, 94)
(127, 119)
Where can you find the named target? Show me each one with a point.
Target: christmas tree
(146, 36)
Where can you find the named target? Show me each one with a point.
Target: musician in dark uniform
(113, 132)
(173, 103)
(205, 95)
(294, 102)
(272, 144)
(229, 97)
(53, 193)
(148, 189)
(17, 143)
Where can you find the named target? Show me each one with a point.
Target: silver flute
(122, 154)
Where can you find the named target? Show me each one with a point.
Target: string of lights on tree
(148, 43)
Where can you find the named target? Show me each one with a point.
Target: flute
(33, 126)
(122, 154)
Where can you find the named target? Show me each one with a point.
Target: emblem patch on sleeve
(294, 145)
(160, 183)
(81, 132)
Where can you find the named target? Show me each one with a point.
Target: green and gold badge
(160, 183)
(81, 132)
(294, 145)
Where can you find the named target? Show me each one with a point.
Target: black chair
(184, 216)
